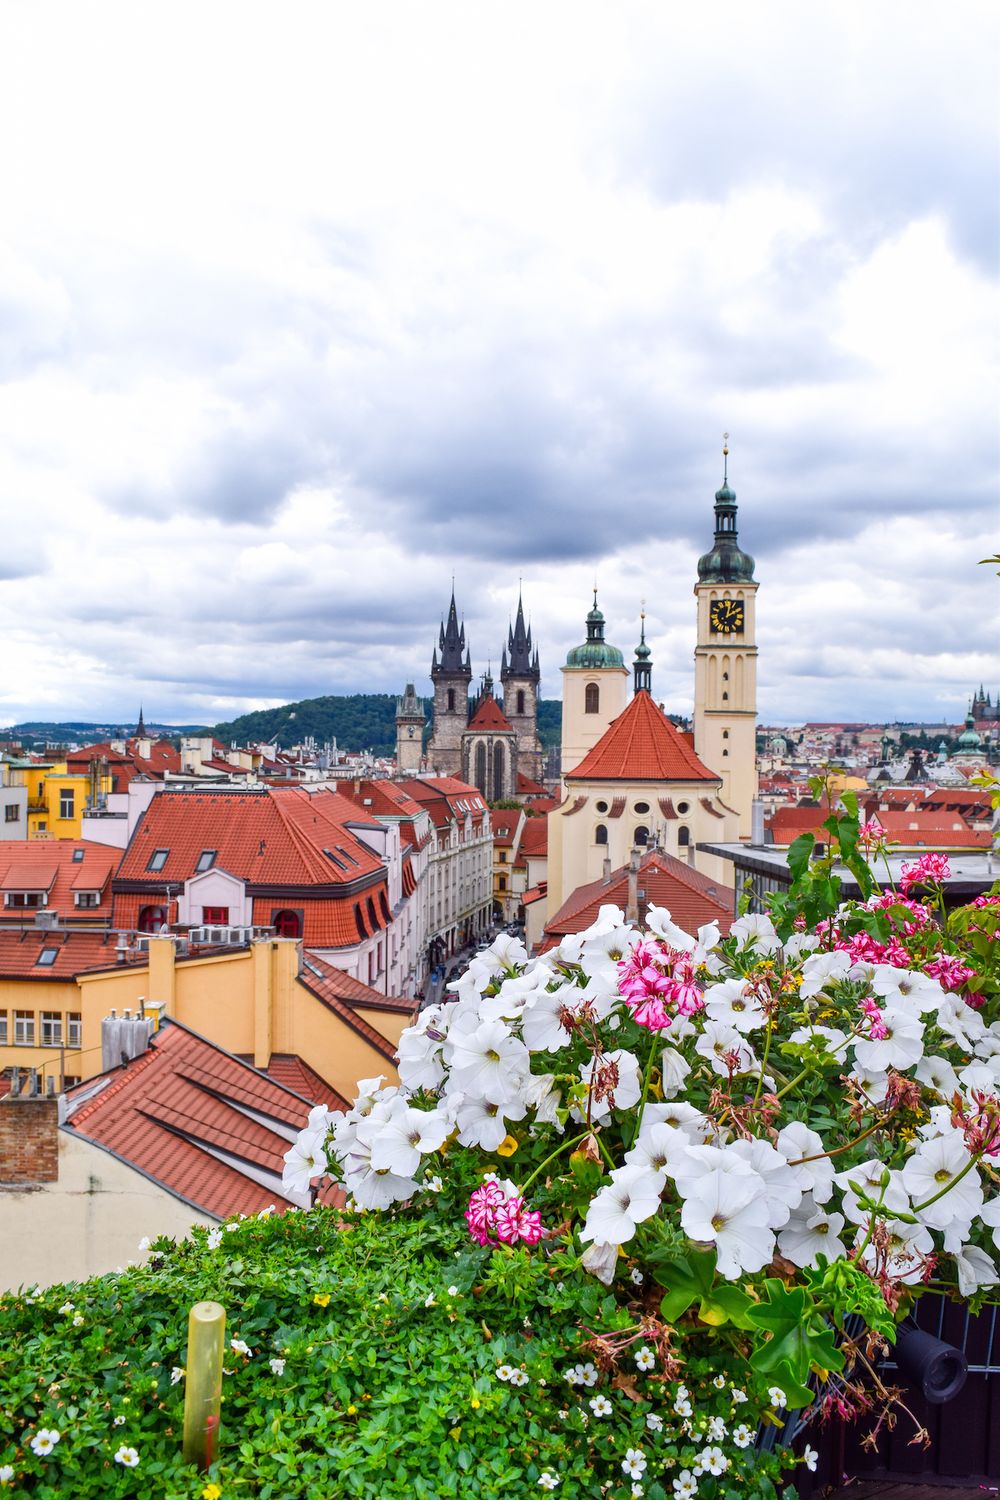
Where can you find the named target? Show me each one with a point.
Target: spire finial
(725, 458)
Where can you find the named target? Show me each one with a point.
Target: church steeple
(519, 658)
(451, 643)
(643, 666)
(727, 562)
(140, 728)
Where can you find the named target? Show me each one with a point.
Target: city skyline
(301, 321)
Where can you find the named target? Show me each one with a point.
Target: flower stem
(763, 1061)
(647, 1075)
(563, 1146)
(917, 1207)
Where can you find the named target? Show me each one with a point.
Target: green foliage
(391, 1330)
(690, 1279)
(801, 1342)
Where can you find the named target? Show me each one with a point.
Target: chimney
(123, 1038)
(757, 823)
(29, 1140)
(607, 870)
(632, 910)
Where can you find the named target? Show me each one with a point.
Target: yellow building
(266, 1002)
(57, 798)
(595, 692)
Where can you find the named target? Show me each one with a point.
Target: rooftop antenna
(725, 458)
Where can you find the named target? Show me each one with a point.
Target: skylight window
(348, 855)
(78, 856)
(47, 958)
(158, 859)
(338, 862)
(307, 963)
(206, 859)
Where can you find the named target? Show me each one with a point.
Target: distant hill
(37, 733)
(360, 721)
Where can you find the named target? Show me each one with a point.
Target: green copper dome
(727, 562)
(595, 651)
(970, 739)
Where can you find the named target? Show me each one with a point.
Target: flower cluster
(498, 1216)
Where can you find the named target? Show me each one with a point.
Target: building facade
(595, 691)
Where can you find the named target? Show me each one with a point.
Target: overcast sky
(304, 309)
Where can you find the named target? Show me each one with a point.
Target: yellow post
(203, 1382)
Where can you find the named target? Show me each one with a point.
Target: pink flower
(929, 869)
(515, 1222)
(872, 834)
(657, 983)
(481, 1211)
(949, 971)
(492, 1216)
(877, 1030)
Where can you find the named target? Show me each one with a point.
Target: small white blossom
(654, 1421)
(716, 1429)
(738, 1396)
(719, 1382)
(504, 1372)
(600, 1406)
(742, 1436)
(277, 1366)
(636, 1277)
(214, 1239)
(518, 1377)
(712, 1461)
(433, 1185)
(453, 1291)
(634, 1463)
(44, 1441)
(78, 1320)
(685, 1485)
(119, 1421)
(776, 1395)
(645, 1358)
(429, 1300)
(810, 1458)
(127, 1457)
(144, 1244)
(548, 1480)
(6, 1473)
(239, 1347)
(66, 1309)
(176, 1374)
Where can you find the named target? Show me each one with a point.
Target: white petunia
(689, 1167)
(975, 1270)
(657, 1147)
(661, 924)
(901, 1047)
(674, 1068)
(820, 968)
(830, 1038)
(733, 1004)
(600, 1260)
(489, 1062)
(867, 1177)
(990, 1215)
(758, 930)
(627, 1091)
(934, 1168)
(304, 1160)
(630, 1197)
(781, 1187)
(938, 1074)
(485, 1125)
(804, 1239)
(725, 1048)
(796, 1141)
(730, 1212)
(908, 1246)
(405, 1136)
(906, 988)
(373, 1189)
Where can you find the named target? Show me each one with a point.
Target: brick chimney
(29, 1140)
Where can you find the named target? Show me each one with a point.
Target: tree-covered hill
(360, 721)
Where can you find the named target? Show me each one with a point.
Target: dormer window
(25, 900)
(206, 859)
(85, 899)
(158, 859)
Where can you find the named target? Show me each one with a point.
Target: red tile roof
(338, 991)
(641, 745)
(534, 838)
(294, 1073)
(76, 951)
(535, 893)
(691, 898)
(52, 865)
(447, 799)
(188, 1114)
(528, 788)
(503, 822)
(489, 715)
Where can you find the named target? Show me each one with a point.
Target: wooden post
(203, 1383)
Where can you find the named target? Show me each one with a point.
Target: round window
(642, 807)
(602, 807)
(683, 807)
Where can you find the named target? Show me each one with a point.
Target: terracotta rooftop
(197, 1120)
(489, 715)
(504, 821)
(60, 868)
(691, 898)
(528, 788)
(55, 953)
(641, 745)
(534, 838)
(294, 1073)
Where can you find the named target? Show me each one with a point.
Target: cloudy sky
(303, 310)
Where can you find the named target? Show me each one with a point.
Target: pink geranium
(656, 984)
(494, 1217)
(929, 869)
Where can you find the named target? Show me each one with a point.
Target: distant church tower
(451, 674)
(410, 721)
(595, 691)
(520, 674)
(725, 682)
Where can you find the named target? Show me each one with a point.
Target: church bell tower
(725, 691)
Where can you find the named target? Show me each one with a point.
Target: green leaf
(800, 1341)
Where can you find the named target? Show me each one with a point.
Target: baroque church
(488, 743)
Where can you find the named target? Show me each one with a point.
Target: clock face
(410, 731)
(726, 617)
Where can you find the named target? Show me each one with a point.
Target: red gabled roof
(528, 788)
(292, 1072)
(76, 952)
(691, 898)
(59, 867)
(188, 1114)
(489, 715)
(641, 745)
(534, 838)
(504, 821)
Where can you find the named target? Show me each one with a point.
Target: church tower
(725, 682)
(520, 674)
(410, 721)
(451, 674)
(595, 691)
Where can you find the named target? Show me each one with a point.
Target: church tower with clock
(725, 660)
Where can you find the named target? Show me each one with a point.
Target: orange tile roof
(691, 898)
(53, 866)
(534, 838)
(186, 1114)
(528, 788)
(294, 1073)
(641, 745)
(503, 822)
(489, 715)
(77, 951)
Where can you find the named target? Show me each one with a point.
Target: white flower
(231, 1228)
(304, 1160)
(600, 1406)
(433, 1185)
(932, 1167)
(634, 1463)
(176, 1374)
(636, 1277)
(900, 1048)
(583, 1374)
(867, 1176)
(119, 1421)
(712, 1461)
(776, 1395)
(483, 1124)
(654, 1422)
(545, 1013)
(975, 1269)
(990, 1215)
(739, 1397)
(78, 1320)
(719, 1382)
(632, 1195)
(406, 1135)
(685, 1485)
(6, 1473)
(488, 1062)
(907, 989)
(547, 1480)
(44, 1441)
(806, 1237)
(733, 1004)
(742, 1436)
(518, 1377)
(277, 1366)
(821, 967)
(127, 1457)
(213, 1239)
(637, 1490)
(144, 1244)
(830, 1038)
(419, 1054)
(660, 922)
(724, 1046)
(645, 1358)
(657, 1147)
(908, 1246)
(372, 1189)
(758, 930)
(504, 1372)
(810, 1458)
(628, 1089)
(796, 1141)
(731, 1212)
(430, 1300)
(66, 1309)
(716, 1429)
(239, 1347)
(781, 1186)
(674, 1068)
(453, 1290)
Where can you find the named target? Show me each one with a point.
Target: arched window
(287, 924)
(372, 918)
(592, 699)
(480, 777)
(520, 700)
(451, 700)
(683, 836)
(725, 752)
(359, 921)
(498, 771)
(725, 734)
(600, 834)
(151, 918)
(725, 697)
(641, 835)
